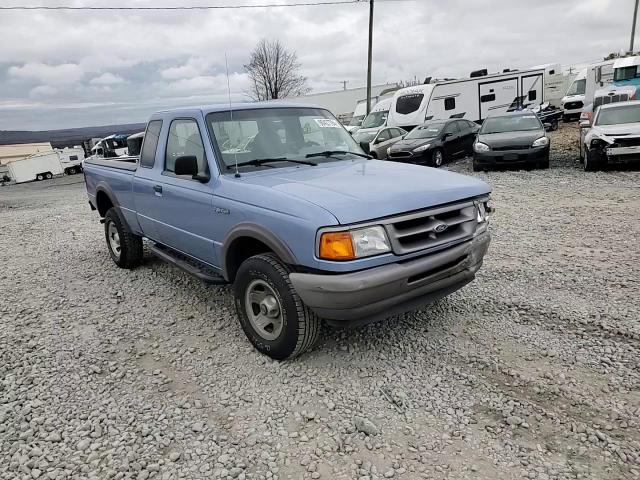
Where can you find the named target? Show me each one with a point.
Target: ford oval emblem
(440, 227)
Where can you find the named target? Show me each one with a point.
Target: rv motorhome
(471, 98)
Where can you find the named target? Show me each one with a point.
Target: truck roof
(225, 107)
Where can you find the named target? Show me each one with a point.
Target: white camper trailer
(71, 160)
(39, 166)
(472, 98)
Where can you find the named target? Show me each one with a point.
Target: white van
(378, 117)
(358, 117)
(470, 98)
(573, 101)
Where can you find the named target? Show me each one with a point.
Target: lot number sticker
(327, 123)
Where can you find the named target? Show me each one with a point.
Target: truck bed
(121, 163)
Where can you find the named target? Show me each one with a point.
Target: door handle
(157, 189)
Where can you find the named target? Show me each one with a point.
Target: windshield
(429, 130)
(512, 123)
(626, 73)
(614, 116)
(376, 119)
(282, 133)
(577, 87)
(361, 137)
(356, 121)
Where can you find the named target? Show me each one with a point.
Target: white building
(342, 103)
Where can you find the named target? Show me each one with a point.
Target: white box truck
(40, 166)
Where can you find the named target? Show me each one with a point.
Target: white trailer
(71, 160)
(471, 98)
(39, 166)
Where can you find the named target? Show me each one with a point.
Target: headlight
(421, 148)
(483, 215)
(352, 244)
(481, 147)
(541, 142)
(597, 143)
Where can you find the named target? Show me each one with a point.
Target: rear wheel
(125, 248)
(437, 158)
(271, 313)
(40, 177)
(48, 175)
(72, 171)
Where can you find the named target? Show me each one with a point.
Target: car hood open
(362, 190)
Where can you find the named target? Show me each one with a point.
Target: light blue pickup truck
(278, 200)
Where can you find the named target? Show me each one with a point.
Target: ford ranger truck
(278, 200)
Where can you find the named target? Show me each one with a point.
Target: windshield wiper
(264, 161)
(331, 153)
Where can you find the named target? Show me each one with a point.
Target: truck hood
(362, 190)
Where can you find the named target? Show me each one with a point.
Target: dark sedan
(515, 139)
(435, 142)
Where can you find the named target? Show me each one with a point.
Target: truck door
(145, 178)
(183, 206)
(497, 96)
(532, 90)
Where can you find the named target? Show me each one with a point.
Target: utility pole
(370, 55)
(633, 27)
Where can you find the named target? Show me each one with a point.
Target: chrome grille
(432, 228)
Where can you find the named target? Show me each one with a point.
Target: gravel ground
(530, 372)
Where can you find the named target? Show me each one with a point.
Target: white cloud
(62, 74)
(107, 78)
(43, 91)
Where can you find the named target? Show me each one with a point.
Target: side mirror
(547, 126)
(585, 124)
(447, 135)
(188, 165)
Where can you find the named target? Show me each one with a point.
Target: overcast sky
(70, 69)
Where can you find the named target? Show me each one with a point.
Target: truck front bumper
(369, 295)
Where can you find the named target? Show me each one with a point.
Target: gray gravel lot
(532, 371)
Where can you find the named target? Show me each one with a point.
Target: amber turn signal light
(336, 246)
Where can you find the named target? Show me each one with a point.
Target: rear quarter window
(148, 153)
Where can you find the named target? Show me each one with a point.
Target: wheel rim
(437, 157)
(263, 309)
(114, 239)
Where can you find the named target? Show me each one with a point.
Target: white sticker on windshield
(327, 123)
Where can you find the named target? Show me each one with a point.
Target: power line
(186, 7)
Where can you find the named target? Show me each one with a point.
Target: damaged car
(613, 135)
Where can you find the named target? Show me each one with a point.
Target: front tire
(591, 161)
(437, 158)
(271, 313)
(39, 177)
(125, 248)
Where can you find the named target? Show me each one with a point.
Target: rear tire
(71, 171)
(271, 313)
(125, 248)
(39, 177)
(48, 176)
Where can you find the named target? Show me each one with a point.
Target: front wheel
(125, 248)
(437, 158)
(39, 177)
(591, 161)
(271, 313)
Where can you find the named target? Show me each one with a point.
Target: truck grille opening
(573, 105)
(432, 228)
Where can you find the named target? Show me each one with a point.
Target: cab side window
(384, 135)
(185, 140)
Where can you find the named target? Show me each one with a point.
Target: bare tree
(273, 71)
